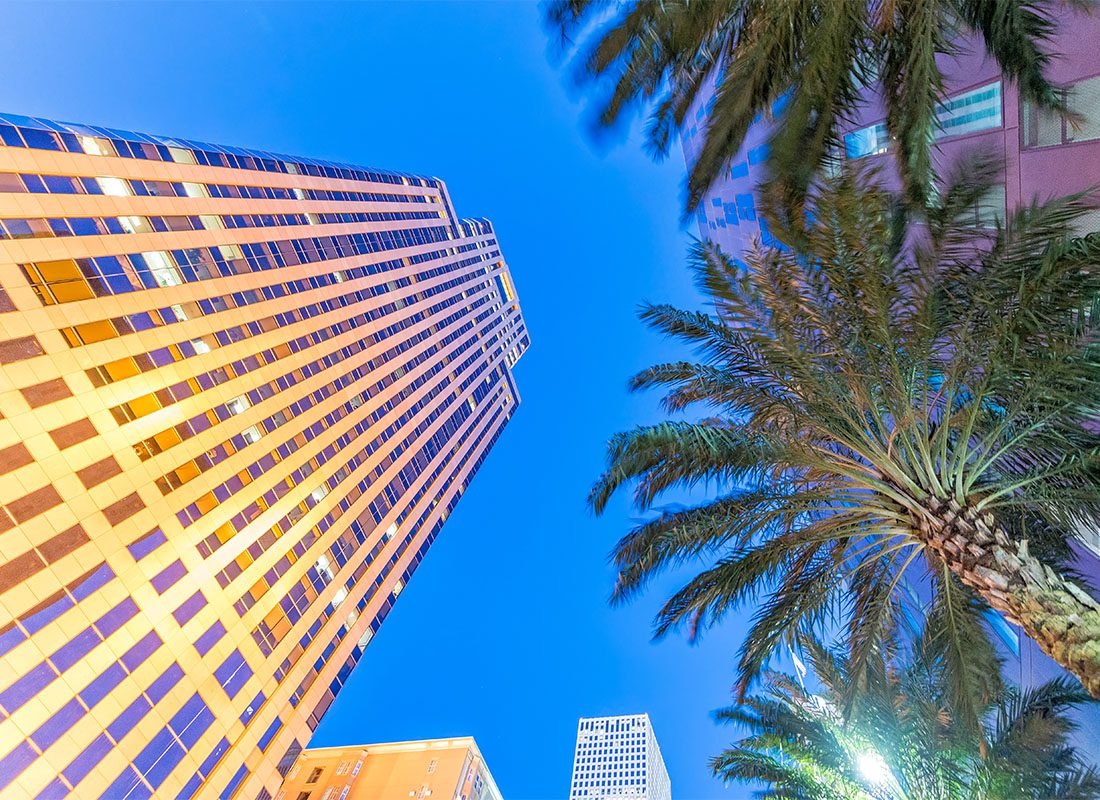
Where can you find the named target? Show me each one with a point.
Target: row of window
(360, 528)
(467, 452)
(981, 109)
(16, 183)
(234, 672)
(234, 568)
(147, 404)
(41, 134)
(392, 491)
(304, 592)
(226, 531)
(294, 606)
(257, 255)
(254, 433)
(975, 110)
(59, 227)
(169, 437)
(1043, 129)
(71, 280)
(211, 500)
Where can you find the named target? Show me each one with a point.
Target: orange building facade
(443, 769)
(239, 395)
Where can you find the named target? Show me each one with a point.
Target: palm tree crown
(818, 55)
(879, 403)
(897, 737)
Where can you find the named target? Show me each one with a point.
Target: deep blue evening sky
(504, 633)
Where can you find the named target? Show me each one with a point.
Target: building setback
(446, 769)
(617, 758)
(239, 395)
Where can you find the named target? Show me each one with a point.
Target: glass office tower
(239, 395)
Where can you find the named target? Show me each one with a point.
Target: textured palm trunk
(1062, 618)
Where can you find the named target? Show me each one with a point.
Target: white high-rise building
(617, 758)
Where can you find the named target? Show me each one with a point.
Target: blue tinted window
(40, 140)
(116, 617)
(233, 673)
(136, 655)
(60, 184)
(191, 721)
(129, 718)
(234, 782)
(212, 636)
(190, 788)
(758, 154)
(89, 757)
(212, 760)
(189, 608)
(128, 785)
(15, 762)
(20, 692)
(101, 686)
(162, 685)
(34, 184)
(168, 577)
(269, 734)
(84, 226)
(18, 228)
(75, 649)
(10, 136)
(93, 581)
(58, 724)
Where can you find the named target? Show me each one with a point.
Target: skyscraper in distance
(617, 758)
(240, 393)
(444, 769)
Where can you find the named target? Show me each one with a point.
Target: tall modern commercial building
(446, 769)
(1044, 156)
(617, 758)
(240, 393)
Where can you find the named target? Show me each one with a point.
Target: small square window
(238, 405)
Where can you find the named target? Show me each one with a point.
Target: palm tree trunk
(1059, 615)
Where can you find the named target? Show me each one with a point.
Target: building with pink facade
(1044, 156)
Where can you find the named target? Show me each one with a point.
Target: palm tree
(898, 738)
(816, 56)
(882, 408)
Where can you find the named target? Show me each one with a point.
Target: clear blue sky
(504, 633)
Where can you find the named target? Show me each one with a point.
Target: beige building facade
(240, 392)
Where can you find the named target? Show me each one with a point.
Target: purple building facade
(1044, 157)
